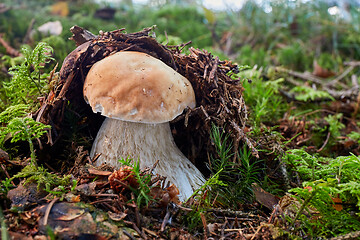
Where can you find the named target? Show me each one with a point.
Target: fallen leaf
(117, 216)
(337, 203)
(322, 72)
(60, 8)
(71, 215)
(264, 198)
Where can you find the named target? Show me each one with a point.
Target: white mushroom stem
(147, 142)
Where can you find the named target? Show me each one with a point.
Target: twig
(51, 168)
(28, 31)
(352, 63)
(183, 45)
(356, 106)
(232, 229)
(349, 93)
(326, 141)
(203, 220)
(257, 231)
(112, 208)
(151, 232)
(184, 208)
(213, 71)
(341, 76)
(48, 209)
(352, 235)
(222, 230)
(10, 50)
(7, 174)
(101, 201)
(128, 234)
(305, 76)
(104, 195)
(137, 215)
(154, 166)
(232, 213)
(241, 136)
(142, 234)
(165, 221)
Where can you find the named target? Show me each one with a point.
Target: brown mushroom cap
(135, 87)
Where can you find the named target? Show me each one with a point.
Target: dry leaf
(60, 8)
(117, 216)
(72, 214)
(337, 203)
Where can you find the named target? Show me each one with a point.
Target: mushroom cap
(136, 87)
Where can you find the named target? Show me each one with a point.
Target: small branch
(137, 215)
(48, 209)
(341, 76)
(305, 76)
(257, 231)
(349, 93)
(352, 63)
(6, 173)
(165, 221)
(28, 32)
(356, 106)
(352, 235)
(128, 234)
(10, 50)
(243, 137)
(203, 220)
(213, 71)
(326, 141)
(142, 234)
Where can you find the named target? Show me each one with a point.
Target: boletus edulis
(140, 95)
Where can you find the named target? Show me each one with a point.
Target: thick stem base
(147, 142)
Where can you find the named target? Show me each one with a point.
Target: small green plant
(262, 98)
(304, 93)
(304, 163)
(5, 186)
(142, 192)
(44, 180)
(325, 179)
(354, 136)
(61, 190)
(230, 182)
(317, 195)
(204, 197)
(293, 56)
(329, 61)
(335, 125)
(28, 81)
(236, 173)
(253, 56)
(19, 127)
(208, 186)
(249, 170)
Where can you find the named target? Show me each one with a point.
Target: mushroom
(139, 95)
